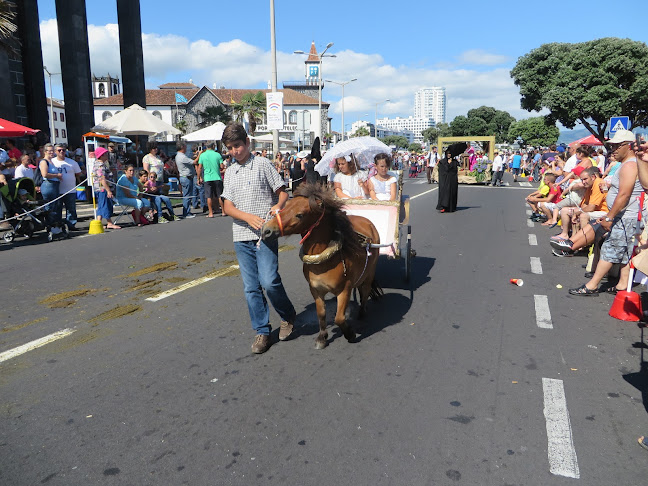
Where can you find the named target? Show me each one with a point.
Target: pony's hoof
(320, 344)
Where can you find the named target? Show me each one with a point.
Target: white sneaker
(189, 216)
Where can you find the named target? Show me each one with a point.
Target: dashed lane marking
(529, 212)
(543, 316)
(536, 266)
(423, 193)
(530, 223)
(12, 353)
(561, 451)
(533, 240)
(223, 272)
(525, 184)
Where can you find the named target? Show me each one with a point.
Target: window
(102, 90)
(292, 118)
(284, 117)
(105, 115)
(56, 132)
(157, 114)
(63, 118)
(55, 118)
(115, 91)
(63, 133)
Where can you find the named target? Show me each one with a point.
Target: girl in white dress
(349, 183)
(382, 186)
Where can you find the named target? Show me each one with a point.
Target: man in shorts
(209, 167)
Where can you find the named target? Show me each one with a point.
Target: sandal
(643, 442)
(583, 290)
(612, 290)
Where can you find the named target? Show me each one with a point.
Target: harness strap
(310, 230)
(279, 222)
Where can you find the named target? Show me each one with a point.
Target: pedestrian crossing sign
(619, 123)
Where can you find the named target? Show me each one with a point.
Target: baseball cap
(622, 136)
(99, 151)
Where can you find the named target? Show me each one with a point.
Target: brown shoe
(261, 343)
(286, 330)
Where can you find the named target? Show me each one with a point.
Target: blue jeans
(260, 271)
(50, 191)
(69, 201)
(158, 200)
(199, 196)
(187, 184)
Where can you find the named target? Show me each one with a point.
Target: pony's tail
(376, 291)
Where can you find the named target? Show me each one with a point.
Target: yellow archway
(491, 145)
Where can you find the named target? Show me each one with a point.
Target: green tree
(182, 126)
(8, 28)
(483, 121)
(414, 147)
(397, 140)
(535, 131)
(252, 107)
(361, 132)
(213, 114)
(586, 83)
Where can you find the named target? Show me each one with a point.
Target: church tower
(105, 86)
(309, 85)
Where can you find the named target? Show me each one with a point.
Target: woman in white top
(348, 182)
(152, 162)
(382, 186)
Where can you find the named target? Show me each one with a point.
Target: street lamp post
(319, 85)
(273, 79)
(52, 134)
(343, 84)
(376, 116)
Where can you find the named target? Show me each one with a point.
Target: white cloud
(237, 64)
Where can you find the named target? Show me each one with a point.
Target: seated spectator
(128, 194)
(150, 187)
(592, 207)
(23, 170)
(548, 192)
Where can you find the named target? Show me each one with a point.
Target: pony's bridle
(310, 230)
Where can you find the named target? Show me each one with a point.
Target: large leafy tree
(397, 140)
(535, 131)
(252, 107)
(586, 83)
(483, 121)
(213, 114)
(414, 147)
(433, 134)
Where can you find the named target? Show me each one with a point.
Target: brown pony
(336, 253)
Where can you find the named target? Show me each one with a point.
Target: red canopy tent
(589, 140)
(11, 129)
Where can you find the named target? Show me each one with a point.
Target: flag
(180, 99)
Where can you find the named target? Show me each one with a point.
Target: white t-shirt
(22, 171)
(68, 168)
(350, 185)
(570, 164)
(433, 159)
(498, 163)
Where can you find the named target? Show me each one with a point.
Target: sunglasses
(60, 150)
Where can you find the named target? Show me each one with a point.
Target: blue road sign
(619, 123)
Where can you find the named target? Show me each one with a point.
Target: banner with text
(274, 110)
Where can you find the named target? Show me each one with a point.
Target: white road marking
(12, 353)
(210, 276)
(530, 223)
(420, 182)
(543, 316)
(533, 240)
(536, 266)
(529, 212)
(525, 184)
(561, 451)
(423, 193)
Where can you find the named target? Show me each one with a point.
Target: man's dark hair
(552, 147)
(180, 146)
(234, 132)
(211, 146)
(590, 171)
(151, 145)
(550, 176)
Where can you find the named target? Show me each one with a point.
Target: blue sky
(392, 48)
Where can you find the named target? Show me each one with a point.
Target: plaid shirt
(251, 188)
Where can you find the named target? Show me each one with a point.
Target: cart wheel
(408, 254)
(9, 236)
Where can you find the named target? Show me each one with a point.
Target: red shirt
(554, 193)
(14, 153)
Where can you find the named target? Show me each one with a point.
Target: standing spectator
(199, 200)
(498, 170)
(153, 163)
(253, 188)
(516, 164)
(114, 160)
(69, 170)
(209, 166)
(187, 173)
(23, 170)
(12, 151)
(432, 160)
(102, 178)
(50, 186)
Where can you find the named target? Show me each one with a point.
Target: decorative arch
(157, 114)
(102, 89)
(292, 118)
(105, 115)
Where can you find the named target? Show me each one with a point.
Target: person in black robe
(448, 183)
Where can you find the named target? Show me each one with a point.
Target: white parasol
(135, 120)
(364, 149)
(212, 132)
(267, 138)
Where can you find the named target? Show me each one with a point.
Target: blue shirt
(123, 181)
(517, 160)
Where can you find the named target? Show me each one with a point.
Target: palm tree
(361, 132)
(182, 126)
(213, 114)
(252, 106)
(7, 27)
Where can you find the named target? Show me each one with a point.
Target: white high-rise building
(430, 103)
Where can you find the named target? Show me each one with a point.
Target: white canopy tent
(212, 132)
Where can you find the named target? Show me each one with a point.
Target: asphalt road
(452, 380)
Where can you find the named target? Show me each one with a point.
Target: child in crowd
(253, 189)
(548, 192)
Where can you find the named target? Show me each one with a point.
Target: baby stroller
(19, 197)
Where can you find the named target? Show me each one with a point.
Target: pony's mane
(318, 195)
